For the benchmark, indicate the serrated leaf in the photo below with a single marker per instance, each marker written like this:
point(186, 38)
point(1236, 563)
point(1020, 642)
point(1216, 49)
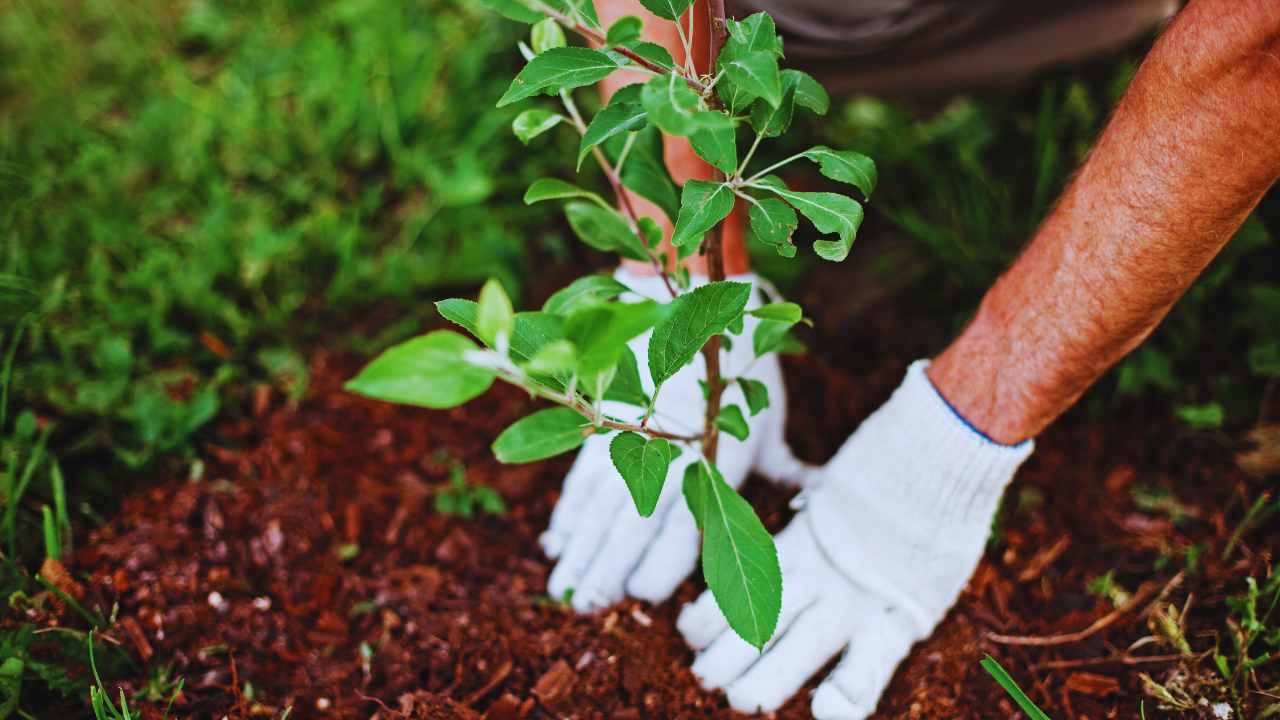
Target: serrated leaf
point(556, 356)
point(702, 205)
point(514, 10)
point(810, 93)
point(652, 233)
point(624, 30)
point(735, 326)
point(670, 104)
point(773, 222)
point(589, 290)
point(645, 172)
point(667, 9)
point(543, 434)
point(626, 387)
point(604, 230)
point(654, 53)
point(600, 332)
point(559, 69)
point(772, 121)
point(731, 421)
point(776, 337)
point(830, 213)
point(494, 314)
point(627, 94)
point(532, 123)
point(714, 140)
point(643, 463)
point(755, 33)
point(613, 119)
point(756, 394)
point(429, 371)
point(531, 332)
point(545, 35)
point(553, 189)
point(695, 317)
point(757, 73)
point(739, 559)
point(583, 10)
point(786, 312)
point(845, 166)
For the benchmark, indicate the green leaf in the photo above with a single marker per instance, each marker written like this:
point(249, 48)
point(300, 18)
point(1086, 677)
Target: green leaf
point(559, 69)
point(547, 34)
point(735, 326)
point(667, 9)
point(615, 118)
point(604, 230)
point(702, 205)
point(589, 290)
point(739, 559)
point(713, 140)
point(557, 356)
point(830, 213)
point(1012, 688)
point(514, 10)
point(583, 10)
point(643, 463)
point(624, 30)
point(646, 174)
point(532, 123)
point(695, 317)
point(776, 337)
point(652, 233)
point(553, 189)
point(809, 93)
point(494, 314)
point(541, 435)
point(773, 222)
point(626, 387)
point(532, 331)
point(784, 312)
point(755, 33)
point(670, 104)
point(757, 73)
point(756, 394)
point(429, 371)
point(772, 121)
point(601, 332)
point(736, 99)
point(731, 421)
point(845, 166)
point(654, 53)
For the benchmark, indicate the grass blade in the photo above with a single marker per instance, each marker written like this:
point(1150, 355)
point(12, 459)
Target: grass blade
point(1012, 688)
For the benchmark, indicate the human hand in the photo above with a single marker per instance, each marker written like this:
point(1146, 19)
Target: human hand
point(884, 542)
point(606, 550)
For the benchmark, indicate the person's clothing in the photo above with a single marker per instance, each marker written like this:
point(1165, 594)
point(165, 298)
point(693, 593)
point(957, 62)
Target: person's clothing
point(932, 46)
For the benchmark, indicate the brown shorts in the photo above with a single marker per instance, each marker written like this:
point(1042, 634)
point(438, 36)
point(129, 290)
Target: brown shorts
point(933, 46)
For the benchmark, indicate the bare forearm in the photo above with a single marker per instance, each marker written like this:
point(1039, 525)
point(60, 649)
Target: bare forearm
point(1190, 150)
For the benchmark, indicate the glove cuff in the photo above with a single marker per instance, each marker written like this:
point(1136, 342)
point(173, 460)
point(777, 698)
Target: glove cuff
point(920, 478)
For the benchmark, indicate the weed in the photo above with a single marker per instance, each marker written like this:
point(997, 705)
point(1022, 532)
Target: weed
point(1011, 687)
point(461, 498)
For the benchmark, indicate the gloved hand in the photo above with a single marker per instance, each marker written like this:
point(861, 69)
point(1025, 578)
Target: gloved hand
point(884, 541)
point(605, 549)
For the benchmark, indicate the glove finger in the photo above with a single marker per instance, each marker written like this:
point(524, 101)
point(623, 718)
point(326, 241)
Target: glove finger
point(812, 639)
point(701, 621)
point(592, 462)
point(729, 656)
point(588, 536)
point(881, 641)
point(673, 552)
point(627, 541)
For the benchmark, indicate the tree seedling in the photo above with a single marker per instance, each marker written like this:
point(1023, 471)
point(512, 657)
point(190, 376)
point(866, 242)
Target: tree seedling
point(460, 498)
point(574, 350)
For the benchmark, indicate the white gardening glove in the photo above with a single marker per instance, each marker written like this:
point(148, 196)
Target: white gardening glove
point(886, 539)
point(605, 549)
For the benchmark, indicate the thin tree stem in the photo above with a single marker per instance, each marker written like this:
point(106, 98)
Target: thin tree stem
point(715, 253)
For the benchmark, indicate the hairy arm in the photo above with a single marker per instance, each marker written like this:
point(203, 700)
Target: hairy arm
point(1190, 150)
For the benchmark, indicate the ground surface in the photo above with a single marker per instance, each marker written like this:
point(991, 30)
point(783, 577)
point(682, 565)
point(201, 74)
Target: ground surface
point(239, 577)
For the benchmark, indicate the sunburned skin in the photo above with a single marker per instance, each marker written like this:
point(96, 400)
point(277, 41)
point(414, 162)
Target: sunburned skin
point(1189, 152)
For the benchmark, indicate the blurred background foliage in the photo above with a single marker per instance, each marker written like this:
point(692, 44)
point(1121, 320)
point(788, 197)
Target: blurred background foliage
point(195, 195)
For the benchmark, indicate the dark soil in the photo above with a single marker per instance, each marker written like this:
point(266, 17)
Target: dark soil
point(238, 577)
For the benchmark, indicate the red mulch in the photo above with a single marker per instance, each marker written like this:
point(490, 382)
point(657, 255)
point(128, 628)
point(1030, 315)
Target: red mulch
point(452, 615)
